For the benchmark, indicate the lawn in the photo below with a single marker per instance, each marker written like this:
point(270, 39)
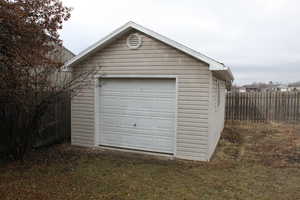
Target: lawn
point(251, 162)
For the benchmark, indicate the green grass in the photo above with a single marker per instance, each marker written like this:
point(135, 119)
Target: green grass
point(258, 162)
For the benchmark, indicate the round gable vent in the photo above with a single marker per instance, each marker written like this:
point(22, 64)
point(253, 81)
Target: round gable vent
point(134, 41)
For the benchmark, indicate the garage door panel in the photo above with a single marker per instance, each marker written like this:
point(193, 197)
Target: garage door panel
point(138, 114)
point(163, 133)
point(133, 104)
point(109, 109)
point(136, 142)
point(159, 132)
point(137, 94)
point(139, 122)
point(137, 134)
point(131, 83)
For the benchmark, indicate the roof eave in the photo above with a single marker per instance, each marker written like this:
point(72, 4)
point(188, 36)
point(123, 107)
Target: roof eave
point(224, 74)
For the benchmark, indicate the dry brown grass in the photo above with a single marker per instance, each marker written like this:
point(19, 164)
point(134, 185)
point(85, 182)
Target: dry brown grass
point(251, 162)
point(274, 145)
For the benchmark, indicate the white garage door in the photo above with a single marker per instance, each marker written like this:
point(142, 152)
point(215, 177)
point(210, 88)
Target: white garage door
point(138, 114)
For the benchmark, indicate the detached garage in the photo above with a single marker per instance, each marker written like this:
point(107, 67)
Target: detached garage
point(150, 94)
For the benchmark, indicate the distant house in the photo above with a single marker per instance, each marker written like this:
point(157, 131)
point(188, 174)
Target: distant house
point(280, 88)
point(268, 87)
point(294, 86)
point(242, 89)
point(238, 89)
point(252, 89)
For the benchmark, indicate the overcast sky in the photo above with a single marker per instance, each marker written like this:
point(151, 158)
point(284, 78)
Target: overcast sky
point(258, 39)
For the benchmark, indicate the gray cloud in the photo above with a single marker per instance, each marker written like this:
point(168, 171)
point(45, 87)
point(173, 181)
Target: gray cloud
point(265, 73)
point(258, 39)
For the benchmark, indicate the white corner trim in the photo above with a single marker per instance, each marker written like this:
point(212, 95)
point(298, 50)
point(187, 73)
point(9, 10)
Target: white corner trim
point(96, 112)
point(213, 64)
point(176, 117)
point(210, 115)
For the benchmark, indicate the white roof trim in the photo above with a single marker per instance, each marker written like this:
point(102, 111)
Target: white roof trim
point(213, 64)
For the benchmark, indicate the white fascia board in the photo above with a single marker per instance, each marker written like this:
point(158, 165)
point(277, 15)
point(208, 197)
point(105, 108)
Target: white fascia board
point(213, 64)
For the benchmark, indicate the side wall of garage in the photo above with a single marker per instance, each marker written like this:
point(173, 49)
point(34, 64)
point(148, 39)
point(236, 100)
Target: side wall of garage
point(152, 58)
point(217, 112)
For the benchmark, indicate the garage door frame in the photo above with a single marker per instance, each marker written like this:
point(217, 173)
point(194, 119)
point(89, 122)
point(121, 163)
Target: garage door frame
point(96, 103)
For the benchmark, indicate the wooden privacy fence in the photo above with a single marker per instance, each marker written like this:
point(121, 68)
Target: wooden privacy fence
point(263, 106)
point(58, 117)
point(60, 130)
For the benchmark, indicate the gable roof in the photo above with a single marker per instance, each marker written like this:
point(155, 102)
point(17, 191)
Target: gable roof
point(220, 69)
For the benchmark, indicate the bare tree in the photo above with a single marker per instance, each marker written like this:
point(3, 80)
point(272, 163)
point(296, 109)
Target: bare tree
point(31, 74)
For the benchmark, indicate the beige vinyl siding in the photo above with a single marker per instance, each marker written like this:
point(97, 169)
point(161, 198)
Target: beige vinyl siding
point(217, 113)
point(152, 58)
